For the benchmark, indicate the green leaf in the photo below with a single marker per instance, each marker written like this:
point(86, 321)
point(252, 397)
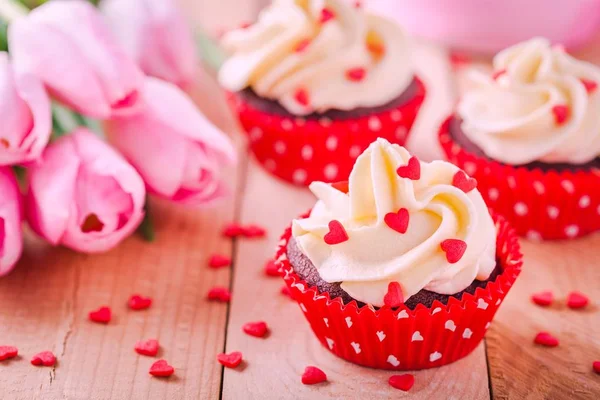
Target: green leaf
point(3, 35)
point(146, 229)
point(209, 50)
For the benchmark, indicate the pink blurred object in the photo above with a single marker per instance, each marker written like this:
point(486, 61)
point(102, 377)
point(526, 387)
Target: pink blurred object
point(67, 44)
point(177, 150)
point(83, 194)
point(156, 35)
point(25, 115)
point(11, 235)
point(489, 26)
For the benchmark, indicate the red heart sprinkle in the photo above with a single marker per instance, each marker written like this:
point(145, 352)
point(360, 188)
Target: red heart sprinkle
point(543, 298)
point(253, 231)
point(301, 97)
point(561, 114)
point(403, 382)
point(590, 86)
point(356, 74)
point(577, 300)
point(286, 291)
point(454, 249)
point(230, 360)
point(302, 45)
point(411, 171)
point(326, 15)
point(464, 182)
point(219, 261)
point(546, 339)
point(138, 302)
point(337, 234)
point(272, 268)
point(459, 59)
point(313, 375)
point(161, 368)
point(7, 352)
point(596, 366)
point(101, 315)
point(342, 186)
point(393, 297)
point(45, 358)
point(397, 221)
point(232, 230)
point(498, 74)
point(147, 347)
point(219, 294)
point(357, 4)
point(245, 25)
point(256, 329)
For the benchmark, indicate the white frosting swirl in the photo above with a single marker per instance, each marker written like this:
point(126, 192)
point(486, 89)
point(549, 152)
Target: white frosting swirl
point(512, 118)
point(265, 57)
point(375, 255)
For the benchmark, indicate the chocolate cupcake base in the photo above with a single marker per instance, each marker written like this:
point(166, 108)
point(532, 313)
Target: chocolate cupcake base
point(308, 272)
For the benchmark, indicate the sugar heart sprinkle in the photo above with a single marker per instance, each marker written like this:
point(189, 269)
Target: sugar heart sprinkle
point(596, 367)
point(464, 182)
point(337, 234)
point(313, 375)
point(326, 15)
point(147, 347)
point(459, 59)
point(403, 382)
point(590, 86)
point(161, 369)
point(412, 170)
point(576, 300)
point(397, 221)
point(561, 114)
point(498, 74)
point(356, 74)
point(253, 231)
point(101, 315)
point(220, 294)
point(301, 97)
point(546, 339)
point(286, 291)
point(7, 352)
point(45, 358)
point(230, 360)
point(454, 249)
point(232, 230)
point(219, 261)
point(271, 268)
point(256, 329)
point(543, 299)
point(394, 297)
point(138, 302)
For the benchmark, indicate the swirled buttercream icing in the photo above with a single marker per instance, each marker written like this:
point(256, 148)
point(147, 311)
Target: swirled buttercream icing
point(402, 226)
point(317, 55)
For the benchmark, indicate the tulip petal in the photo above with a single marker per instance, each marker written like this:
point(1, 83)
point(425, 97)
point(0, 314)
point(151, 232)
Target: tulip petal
point(11, 235)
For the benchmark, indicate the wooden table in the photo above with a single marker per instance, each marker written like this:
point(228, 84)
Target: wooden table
point(44, 303)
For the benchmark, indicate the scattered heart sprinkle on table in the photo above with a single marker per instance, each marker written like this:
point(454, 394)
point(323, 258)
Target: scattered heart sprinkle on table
point(219, 261)
point(403, 382)
point(576, 300)
point(286, 291)
point(271, 268)
point(233, 230)
point(101, 315)
point(138, 302)
point(546, 339)
point(256, 329)
point(230, 360)
point(596, 367)
point(161, 368)
point(147, 347)
point(543, 299)
point(45, 358)
point(7, 352)
point(254, 231)
point(313, 375)
point(219, 294)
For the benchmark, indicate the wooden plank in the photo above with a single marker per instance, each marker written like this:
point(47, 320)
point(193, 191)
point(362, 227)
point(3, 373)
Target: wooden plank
point(45, 301)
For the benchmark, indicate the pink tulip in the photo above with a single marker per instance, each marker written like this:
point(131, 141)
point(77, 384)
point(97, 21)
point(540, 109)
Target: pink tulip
point(11, 235)
point(67, 44)
point(24, 114)
point(83, 194)
point(178, 152)
point(156, 35)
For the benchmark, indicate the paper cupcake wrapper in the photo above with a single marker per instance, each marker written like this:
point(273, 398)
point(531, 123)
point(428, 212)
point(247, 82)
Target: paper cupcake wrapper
point(301, 150)
point(404, 339)
point(538, 204)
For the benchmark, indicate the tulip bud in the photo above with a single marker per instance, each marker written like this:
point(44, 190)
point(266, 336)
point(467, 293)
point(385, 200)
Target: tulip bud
point(67, 44)
point(83, 194)
point(177, 150)
point(24, 114)
point(11, 235)
point(156, 35)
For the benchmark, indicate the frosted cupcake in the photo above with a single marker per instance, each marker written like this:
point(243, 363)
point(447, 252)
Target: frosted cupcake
point(315, 82)
point(530, 135)
point(403, 267)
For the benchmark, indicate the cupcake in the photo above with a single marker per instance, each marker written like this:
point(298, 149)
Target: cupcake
point(403, 267)
point(314, 82)
point(530, 135)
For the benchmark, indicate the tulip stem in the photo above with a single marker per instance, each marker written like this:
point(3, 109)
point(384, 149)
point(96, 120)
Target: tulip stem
point(209, 50)
point(146, 228)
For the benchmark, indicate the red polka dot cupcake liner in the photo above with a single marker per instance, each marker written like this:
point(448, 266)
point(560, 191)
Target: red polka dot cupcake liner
point(303, 150)
point(404, 339)
point(538, 204)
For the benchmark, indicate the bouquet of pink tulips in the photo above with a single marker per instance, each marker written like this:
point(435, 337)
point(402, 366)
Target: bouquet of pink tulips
point(126, 65)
